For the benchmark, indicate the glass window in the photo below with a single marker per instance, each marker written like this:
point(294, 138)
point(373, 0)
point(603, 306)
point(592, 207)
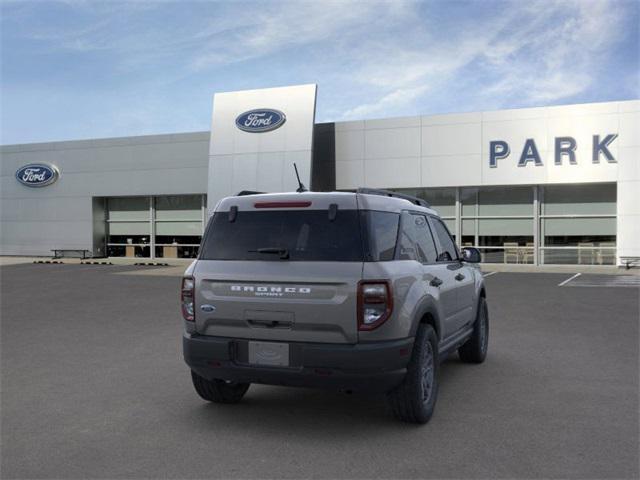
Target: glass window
point(178, 225)
point(129, 229)
point(178, 229)
point(416, 242)
point(447, 250)
point(584, 228)
point(468, 233)
point(443, 200)
point(506, 227)
point(505, 232)
point(306, 235)
point(451, 225)
point(594, 240)
point(382, 233)
point(590, 199)
point(512, 237)
point(469, 201)
point(179, 207)
point(128, 208)
point(603, 254)
point(579, 238)
point(505, 201)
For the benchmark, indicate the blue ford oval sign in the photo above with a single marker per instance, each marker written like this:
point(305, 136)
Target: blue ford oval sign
point(260, 120)
point(37, 175)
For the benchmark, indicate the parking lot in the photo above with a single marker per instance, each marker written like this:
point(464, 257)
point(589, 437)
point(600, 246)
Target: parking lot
point(94, 386)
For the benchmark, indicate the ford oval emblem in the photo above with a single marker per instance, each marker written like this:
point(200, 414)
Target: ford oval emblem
point(37, 175)
point(260, 120)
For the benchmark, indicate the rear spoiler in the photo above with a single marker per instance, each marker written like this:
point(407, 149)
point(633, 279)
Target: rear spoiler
point(244, 193)
point(388, 193)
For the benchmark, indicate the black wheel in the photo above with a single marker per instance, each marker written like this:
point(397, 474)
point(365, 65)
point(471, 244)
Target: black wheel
point(415, 398)
point(219, 391)
point(475, 349)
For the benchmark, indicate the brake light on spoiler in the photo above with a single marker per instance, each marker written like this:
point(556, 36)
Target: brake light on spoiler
point(282, 204)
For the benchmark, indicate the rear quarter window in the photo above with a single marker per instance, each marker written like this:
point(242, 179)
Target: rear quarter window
point(381, 234)
point(416, 240)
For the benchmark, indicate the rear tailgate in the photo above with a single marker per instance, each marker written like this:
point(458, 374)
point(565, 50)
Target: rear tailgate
point(278, 301)
point(281, 267)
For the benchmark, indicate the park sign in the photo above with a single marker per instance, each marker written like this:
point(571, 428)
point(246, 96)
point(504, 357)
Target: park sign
point(565, 147)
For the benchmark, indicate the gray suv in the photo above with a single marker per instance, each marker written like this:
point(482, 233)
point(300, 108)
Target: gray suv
point(361, 291)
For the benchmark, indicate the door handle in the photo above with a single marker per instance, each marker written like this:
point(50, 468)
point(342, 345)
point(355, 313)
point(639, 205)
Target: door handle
point(459, 277)
point(436, 282)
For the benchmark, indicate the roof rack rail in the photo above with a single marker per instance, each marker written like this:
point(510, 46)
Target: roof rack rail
point(387, 193)
point(248, 192)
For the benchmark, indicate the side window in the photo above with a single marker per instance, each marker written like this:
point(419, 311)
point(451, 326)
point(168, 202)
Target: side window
point(416, 241)
point(447, 251)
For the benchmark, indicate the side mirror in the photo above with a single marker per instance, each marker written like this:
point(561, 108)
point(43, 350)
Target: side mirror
point(471, 255)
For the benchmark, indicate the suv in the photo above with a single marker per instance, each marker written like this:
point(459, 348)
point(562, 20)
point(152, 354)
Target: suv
point(361, 291)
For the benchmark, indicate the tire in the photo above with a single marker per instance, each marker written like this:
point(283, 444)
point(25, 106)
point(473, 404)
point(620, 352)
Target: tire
point(415, 398)
point(219, 391)
point(475, 349)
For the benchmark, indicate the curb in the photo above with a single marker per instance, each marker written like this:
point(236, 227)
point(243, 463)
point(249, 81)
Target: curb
point(95, 263)
point(151, 264)
point(48, 261)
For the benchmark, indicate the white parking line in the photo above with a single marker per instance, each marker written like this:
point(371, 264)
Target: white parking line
point(607, 281)
point(489, 274)
point(569, 279)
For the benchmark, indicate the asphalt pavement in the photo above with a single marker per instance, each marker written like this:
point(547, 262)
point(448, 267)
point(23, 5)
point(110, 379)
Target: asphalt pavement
point(94, 386)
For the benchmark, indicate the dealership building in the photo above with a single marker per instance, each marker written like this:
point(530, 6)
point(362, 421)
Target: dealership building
point(548, 185)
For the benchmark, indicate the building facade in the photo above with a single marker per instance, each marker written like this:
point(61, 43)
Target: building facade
point(549, 185)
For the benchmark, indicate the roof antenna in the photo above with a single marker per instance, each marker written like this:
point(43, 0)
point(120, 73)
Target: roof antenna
point(301, 188)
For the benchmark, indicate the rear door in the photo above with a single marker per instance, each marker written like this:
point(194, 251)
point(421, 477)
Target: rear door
point(280, 274)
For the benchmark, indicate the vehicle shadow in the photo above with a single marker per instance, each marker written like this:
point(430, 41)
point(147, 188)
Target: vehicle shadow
point(328, 414)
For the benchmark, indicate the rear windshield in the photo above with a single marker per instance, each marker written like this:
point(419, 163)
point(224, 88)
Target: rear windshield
point(304, 235)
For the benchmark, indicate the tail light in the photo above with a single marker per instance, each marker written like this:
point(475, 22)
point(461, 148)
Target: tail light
point(186, 299)
point(375, 303)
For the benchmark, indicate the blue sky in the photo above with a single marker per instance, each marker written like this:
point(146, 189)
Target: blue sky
point(84, 69)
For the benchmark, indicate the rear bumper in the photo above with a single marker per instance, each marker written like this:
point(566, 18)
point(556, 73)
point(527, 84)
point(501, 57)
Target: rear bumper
point(378, 366)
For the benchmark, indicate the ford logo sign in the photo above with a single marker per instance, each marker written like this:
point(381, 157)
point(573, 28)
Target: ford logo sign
point(37, 175)
point(260, 120)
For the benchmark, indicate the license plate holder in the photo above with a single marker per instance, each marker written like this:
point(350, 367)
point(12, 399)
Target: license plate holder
point(269, 353)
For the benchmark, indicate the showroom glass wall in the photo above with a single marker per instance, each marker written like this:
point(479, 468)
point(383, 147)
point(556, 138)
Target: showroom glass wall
point(554, 224)
point(169, 226)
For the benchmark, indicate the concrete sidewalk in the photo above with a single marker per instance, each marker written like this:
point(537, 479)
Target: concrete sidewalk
point(174, 262)
point(595, 269)
point(486, 267)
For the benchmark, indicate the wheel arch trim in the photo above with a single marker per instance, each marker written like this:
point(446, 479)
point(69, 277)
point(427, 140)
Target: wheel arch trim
point(427, 312)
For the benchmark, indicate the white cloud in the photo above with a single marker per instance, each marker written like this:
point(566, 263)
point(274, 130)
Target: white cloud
point(537, 52)
point(371, 58)
point(279, 26)
point(391, 101)
point(558, 61)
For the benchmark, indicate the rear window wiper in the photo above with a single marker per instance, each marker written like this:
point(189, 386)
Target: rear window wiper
point(283, 252)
